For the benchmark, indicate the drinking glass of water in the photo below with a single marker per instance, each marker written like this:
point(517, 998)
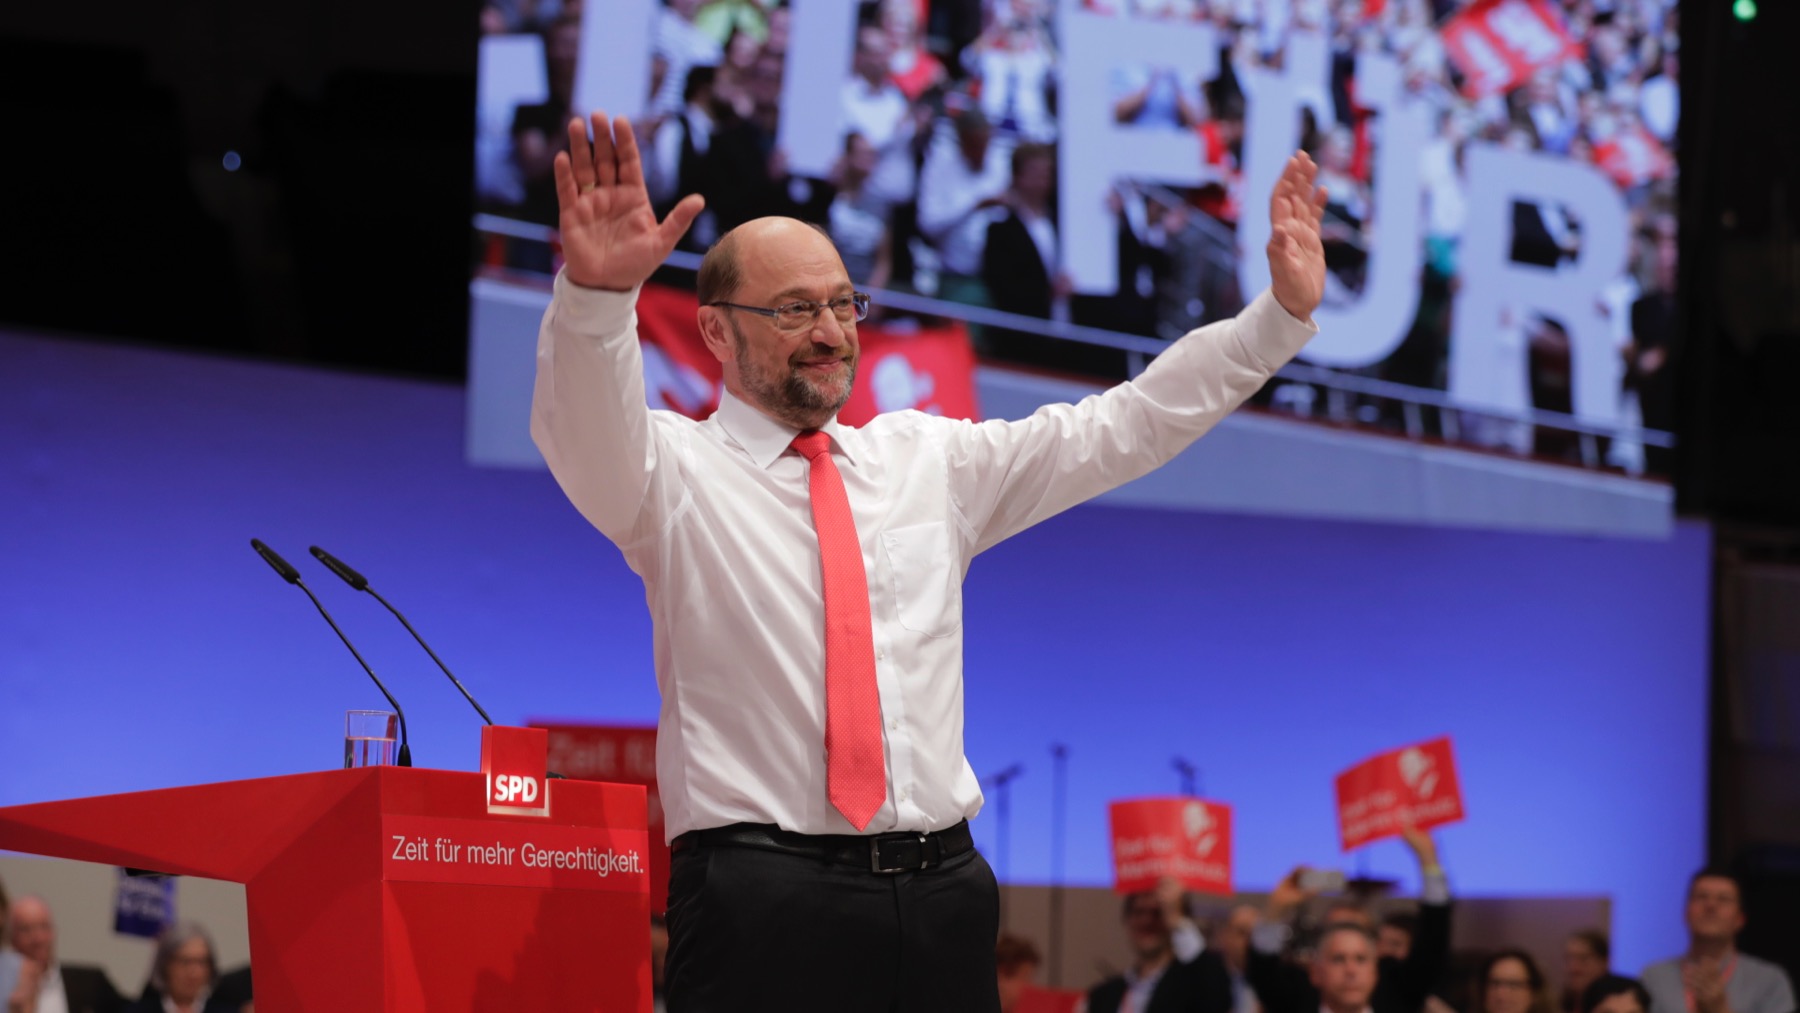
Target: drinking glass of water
point(369, 738)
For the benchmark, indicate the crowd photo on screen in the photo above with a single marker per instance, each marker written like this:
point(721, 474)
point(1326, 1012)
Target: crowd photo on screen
point(952, 124)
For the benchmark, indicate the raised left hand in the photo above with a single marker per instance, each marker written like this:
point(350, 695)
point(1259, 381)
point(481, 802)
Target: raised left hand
point(1423, 847)
point(1296, 253)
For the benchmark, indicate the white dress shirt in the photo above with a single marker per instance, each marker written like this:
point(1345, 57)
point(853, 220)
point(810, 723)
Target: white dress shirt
point(716, 518)
point(51, 997)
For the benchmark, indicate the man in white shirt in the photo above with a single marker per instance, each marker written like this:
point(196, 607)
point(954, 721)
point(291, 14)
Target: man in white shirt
point(876, 108)
point(804, 578)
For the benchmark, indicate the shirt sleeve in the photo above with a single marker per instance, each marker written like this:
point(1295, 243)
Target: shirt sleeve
point(1778, 997)
point(1008, 475)
point(589, 416)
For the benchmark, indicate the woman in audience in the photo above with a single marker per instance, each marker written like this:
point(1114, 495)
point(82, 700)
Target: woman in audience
point(182, 974)
point(1510, 982)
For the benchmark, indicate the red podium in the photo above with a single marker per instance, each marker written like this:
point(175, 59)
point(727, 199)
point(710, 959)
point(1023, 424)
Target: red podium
point(400, 889)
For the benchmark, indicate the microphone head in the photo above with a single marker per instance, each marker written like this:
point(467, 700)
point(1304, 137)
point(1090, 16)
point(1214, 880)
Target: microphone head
point(273, 558)
point(342, 569)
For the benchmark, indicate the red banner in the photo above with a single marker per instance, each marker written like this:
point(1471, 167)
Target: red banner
point(1499, 44)
point(1188, 838)
point(622, 755)
point(928, 369)
point(1415, 786)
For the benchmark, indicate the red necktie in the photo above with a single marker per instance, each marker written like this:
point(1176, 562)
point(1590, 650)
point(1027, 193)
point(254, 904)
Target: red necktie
point(856, 775)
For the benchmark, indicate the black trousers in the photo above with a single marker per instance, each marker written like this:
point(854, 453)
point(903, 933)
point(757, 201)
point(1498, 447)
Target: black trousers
point(751, 930)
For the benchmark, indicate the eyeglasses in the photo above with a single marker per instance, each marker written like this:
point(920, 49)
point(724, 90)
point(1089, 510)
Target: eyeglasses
point(800, 314)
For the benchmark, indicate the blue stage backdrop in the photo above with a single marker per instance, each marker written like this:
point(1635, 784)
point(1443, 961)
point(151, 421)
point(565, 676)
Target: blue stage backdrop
point(145, 645)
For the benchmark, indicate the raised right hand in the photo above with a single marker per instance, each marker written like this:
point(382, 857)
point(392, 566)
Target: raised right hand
point(611, 238)
point(1288, 895)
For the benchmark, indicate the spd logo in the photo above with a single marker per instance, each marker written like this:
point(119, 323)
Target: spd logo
point(513, 760)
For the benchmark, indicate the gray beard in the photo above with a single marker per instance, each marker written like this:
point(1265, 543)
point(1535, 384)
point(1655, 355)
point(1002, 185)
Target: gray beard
point(790, 399)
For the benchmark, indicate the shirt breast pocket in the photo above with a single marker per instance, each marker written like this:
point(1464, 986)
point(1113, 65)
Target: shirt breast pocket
point(926, 577)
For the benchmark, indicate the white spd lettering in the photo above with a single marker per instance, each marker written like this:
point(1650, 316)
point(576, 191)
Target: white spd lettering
point(514, 787)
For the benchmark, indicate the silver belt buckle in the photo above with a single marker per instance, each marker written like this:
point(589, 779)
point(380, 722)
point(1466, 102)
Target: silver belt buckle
point(876, 867)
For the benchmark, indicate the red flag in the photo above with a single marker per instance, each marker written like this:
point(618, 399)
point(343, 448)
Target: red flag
point(1499, 44)
point(1188, 838)
point(1414, 786)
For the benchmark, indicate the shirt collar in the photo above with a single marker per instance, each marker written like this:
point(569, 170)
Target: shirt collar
point(765, 439)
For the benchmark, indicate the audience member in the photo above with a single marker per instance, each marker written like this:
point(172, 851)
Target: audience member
point(1015, 61)
point(1171, 970)
point(1231, 939)
point(1511, 982)
point(683, 44)
point(857, 220)
point(1395, 985)
point(183, 974)
point(1394, 936)
point(1713, 976)
point(1021, 266)
point(677, 163)
point(1016, 963)
point(875, 107)
point(46, 985)
point(1342, 976)
point(964, 181)
point(731, 78)
point(1612, 993)
point(912, 67)
point(1587, 958)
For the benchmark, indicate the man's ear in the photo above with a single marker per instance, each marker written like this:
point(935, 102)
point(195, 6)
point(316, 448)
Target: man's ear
point(716, 332)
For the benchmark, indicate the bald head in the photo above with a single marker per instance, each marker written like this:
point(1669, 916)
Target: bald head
point(34, 930)
point(722, 269)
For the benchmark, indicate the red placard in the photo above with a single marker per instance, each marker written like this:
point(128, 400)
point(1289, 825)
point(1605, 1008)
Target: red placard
point(1414, 786)
point(1499, 44)
point(1048, 1000)
point(621, 754)
point(1188, 838)
point(1633, 156)
point(929, 369)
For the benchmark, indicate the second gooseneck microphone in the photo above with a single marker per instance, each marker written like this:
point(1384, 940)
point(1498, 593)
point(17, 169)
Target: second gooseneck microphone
point(292, 576)
point(361, 583)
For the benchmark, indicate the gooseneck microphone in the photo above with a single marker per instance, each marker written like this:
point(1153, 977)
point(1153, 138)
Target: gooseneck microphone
point(292, 576)
point(361, 583)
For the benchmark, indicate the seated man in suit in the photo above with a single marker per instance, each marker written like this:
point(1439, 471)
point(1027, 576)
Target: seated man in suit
point(1172, 971)
point(46, 986)
point(1393, 984)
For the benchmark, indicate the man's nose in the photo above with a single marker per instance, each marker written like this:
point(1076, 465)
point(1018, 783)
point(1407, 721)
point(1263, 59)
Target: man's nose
point(828, 330)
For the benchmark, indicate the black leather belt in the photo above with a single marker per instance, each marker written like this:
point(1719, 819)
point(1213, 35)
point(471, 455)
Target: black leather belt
point(884, 854)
